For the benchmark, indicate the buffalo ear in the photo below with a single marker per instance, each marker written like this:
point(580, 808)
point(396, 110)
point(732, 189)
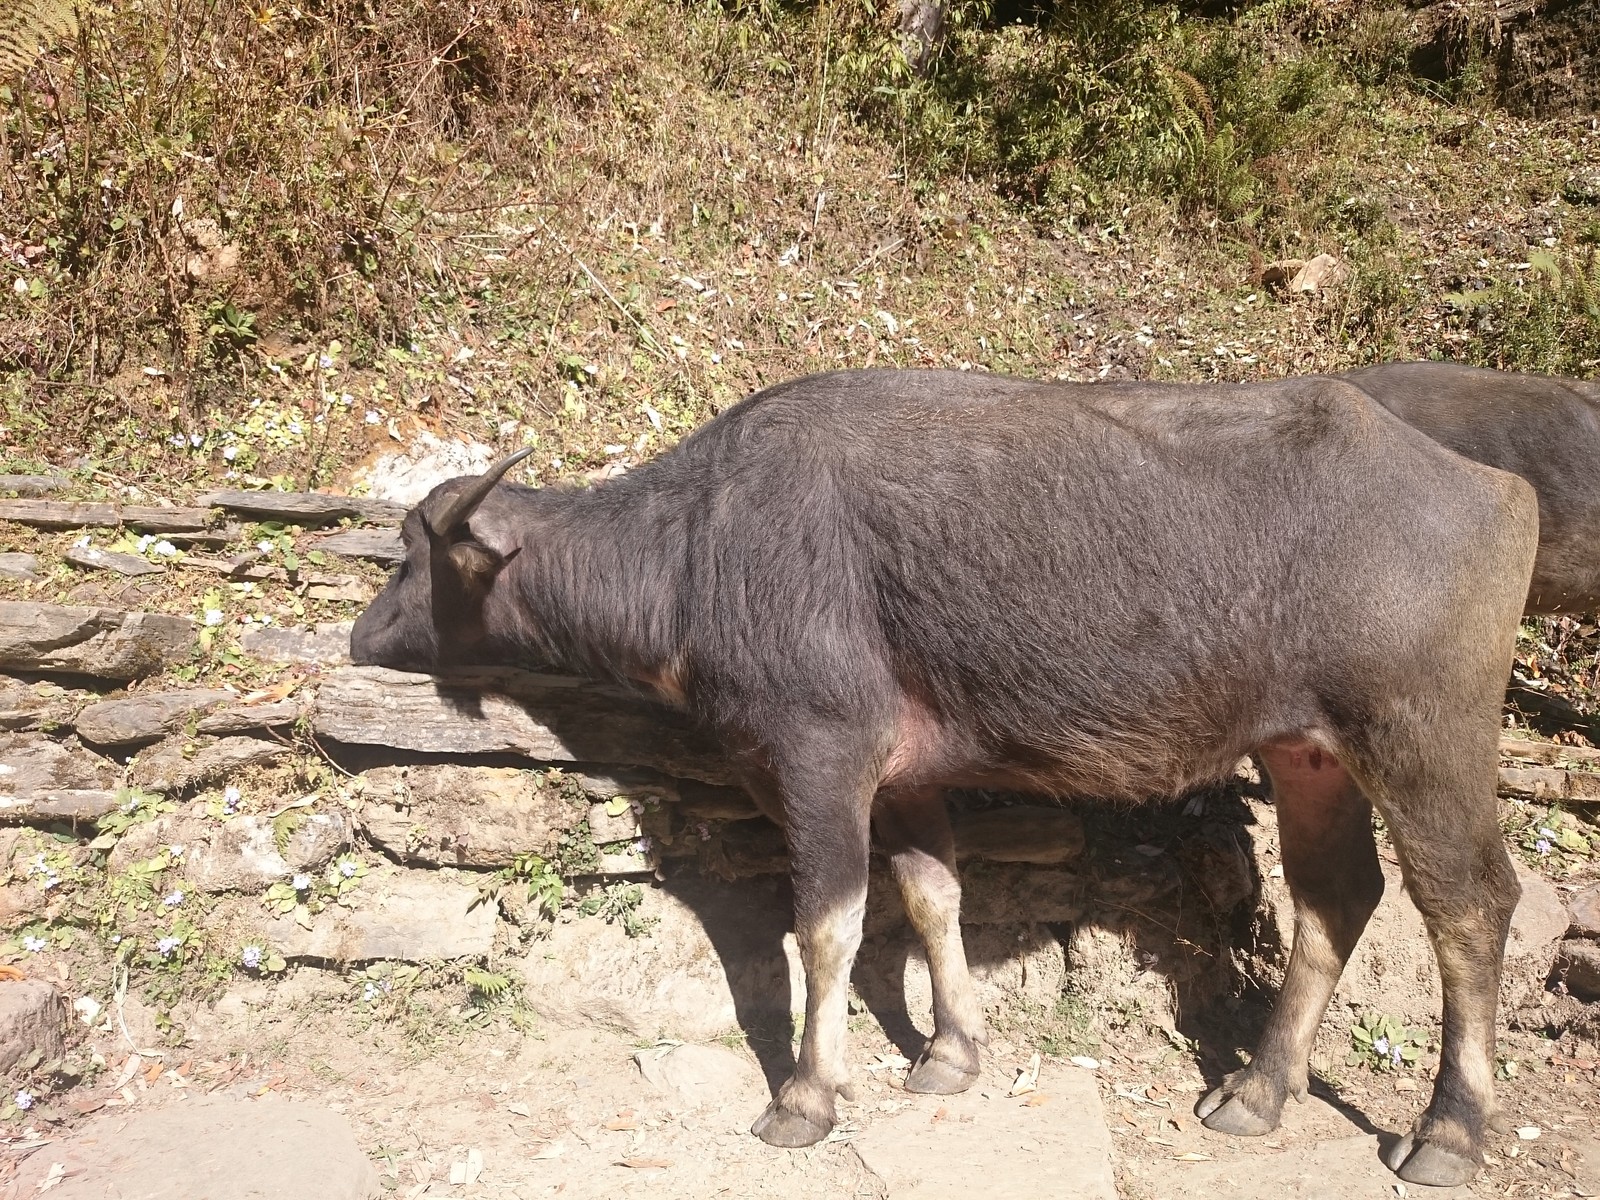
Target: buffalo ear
point(476, 565)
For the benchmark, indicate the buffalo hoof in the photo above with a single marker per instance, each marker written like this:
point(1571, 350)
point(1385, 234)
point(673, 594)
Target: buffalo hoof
point(789, 1130)
point(1226, 1112)
point(1429, 1165)
point(935, 1077)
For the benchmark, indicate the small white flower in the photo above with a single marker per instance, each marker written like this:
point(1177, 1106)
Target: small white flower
point(372, 416)
point(175, 851)
point(33, 944)
point(195, 439)
point(294, 427)
point(144, 542)
point(166, 549)
point(347, 399)
point(265, 618)
point(300, 882)
point(229, 453)
point(82, 542)
point(214, 616)
point(264, 546)
point(179, 441)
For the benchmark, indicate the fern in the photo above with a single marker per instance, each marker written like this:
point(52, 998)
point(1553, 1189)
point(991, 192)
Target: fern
point(30, 26)
point(485, 986)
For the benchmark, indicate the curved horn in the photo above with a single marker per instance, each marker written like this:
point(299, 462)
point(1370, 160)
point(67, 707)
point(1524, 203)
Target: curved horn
point(464, 504)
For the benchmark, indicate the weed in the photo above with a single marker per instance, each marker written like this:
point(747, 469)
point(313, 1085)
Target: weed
point(1383, 1043)
point(618, 904)
point(1545, 318)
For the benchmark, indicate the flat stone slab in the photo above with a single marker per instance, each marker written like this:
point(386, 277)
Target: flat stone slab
point(145, 717)
point(1023, 833)
point(43, 778)
point(958, 1147)
point(211, 1146)
point(1551, 783)
point(33, 485)
point(90, 641)
point(328, 644)
point(413, 917)
point(241, 718)
point(1345, 1168)
point(22, 568)
point(167, 768)
point(381, 546)
point(33, 1022)
point(72, 514)
point(549, 718)
point(305, 508)
point(95, 559)
point(33, 706)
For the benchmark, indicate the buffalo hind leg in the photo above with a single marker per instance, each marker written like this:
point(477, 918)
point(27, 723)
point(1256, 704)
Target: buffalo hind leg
point(1442, 817)
point(913, 828)
point(825, 816)
point(1330, 863)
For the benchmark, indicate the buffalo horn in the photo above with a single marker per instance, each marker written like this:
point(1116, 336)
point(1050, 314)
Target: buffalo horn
point(465, 503)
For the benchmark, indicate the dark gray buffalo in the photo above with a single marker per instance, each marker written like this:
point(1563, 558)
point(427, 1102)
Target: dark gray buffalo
point(1544, 428)
point(873, 585)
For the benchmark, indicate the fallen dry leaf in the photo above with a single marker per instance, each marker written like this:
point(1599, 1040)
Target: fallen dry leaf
point(645, 1164)
point(1035, 1100)
point(623, 1120)
point(53, 1176)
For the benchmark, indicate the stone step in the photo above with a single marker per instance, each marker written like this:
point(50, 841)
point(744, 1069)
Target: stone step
point(74, 514)
point(210, 1146)
point(1050, 1142)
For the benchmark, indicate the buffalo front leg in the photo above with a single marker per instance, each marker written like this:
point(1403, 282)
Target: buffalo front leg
point(913, 827)
point(1330, 863)
point(827, 831)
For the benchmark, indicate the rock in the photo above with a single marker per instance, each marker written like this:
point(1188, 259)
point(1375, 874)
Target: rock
point(243, 718)
point(328, 644)
point(23, 568)
point(548, 718)
point(42, 705)
point(464, 816)
point(213, 1146)
point(714, 959)
point(1021, 833)
point(381, 546)
point(708, 802)
point(426, 463)
point(1586, 1170)
point(95, 559)
point(721, 955)
point(702, 1076)
point(413, 917)
point(144, 717)
point(71, 514)
point(91, 641)
point(305, 508)
point(41, 778)
point(1550, 783)
point(1019, 894)
point(33, 1023)
point(1580, 964)
point(242, 855)
point(1583, 186)
point(33, 485)
point(1339, 1168)
point(1584, 911)
point(985, 1143)
point(167, 768)
point(1549, 753)
point(607, 827)
point(1323, 271)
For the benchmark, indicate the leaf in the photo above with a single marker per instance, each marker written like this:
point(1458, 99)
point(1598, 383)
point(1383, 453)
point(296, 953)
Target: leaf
point(616, 806)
